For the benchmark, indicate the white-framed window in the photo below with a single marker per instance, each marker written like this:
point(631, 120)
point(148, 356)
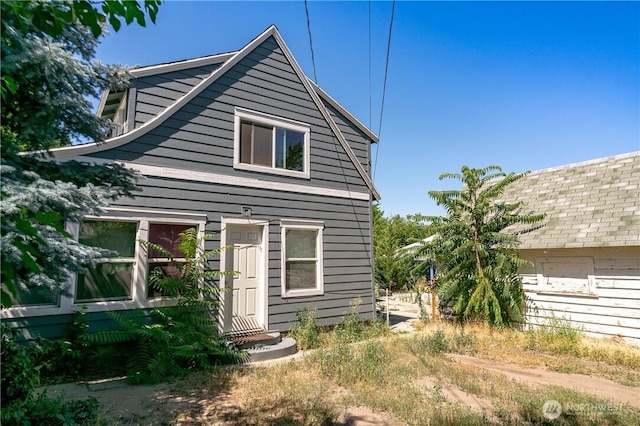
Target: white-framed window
point(121, 281)
point(302, 258)
point(112, 278)
point(164, 235)
point(572, 275)
point(265, 143)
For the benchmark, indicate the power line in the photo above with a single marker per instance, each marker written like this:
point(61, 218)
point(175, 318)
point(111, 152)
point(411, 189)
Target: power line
point(370, 102)
point(313, 58)
point(384, 87)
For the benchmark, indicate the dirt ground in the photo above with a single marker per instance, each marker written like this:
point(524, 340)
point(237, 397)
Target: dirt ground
point(173, 404)
point(160, 404)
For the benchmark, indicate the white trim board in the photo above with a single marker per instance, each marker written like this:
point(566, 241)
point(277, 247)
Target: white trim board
point(272, 31)
point(208, 177)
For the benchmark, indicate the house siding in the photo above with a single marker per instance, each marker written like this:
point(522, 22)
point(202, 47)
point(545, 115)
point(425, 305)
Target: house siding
point(346, 251)
point(612, 308)
point(200, 136)
point(347, 239)
point(358, 141)
point(156, 92)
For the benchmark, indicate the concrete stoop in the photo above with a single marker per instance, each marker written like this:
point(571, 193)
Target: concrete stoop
point(265, 346)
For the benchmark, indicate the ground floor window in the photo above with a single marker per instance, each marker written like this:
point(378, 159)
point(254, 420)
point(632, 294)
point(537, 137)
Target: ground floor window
point(120, 279)
point(302, 265)
point(112, 278)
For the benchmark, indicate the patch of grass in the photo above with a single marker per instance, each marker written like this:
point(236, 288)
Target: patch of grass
point(557, 335)
point(559, 349)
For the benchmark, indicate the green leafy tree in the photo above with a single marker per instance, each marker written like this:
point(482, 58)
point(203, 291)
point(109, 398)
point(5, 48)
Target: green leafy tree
point(175, 339)
point(476, 248)
point(392, 269)
point(48, 73)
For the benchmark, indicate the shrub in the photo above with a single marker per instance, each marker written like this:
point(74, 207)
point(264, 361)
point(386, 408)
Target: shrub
point(306, 332)
point(43, 410)
point(67, 357)
point(173, 340)
point(557, 335)
point(352, 328)
point(435, 343)
point(19, 374)
point(348, 364)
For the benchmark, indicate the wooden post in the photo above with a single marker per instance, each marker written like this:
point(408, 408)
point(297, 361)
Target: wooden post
point(433, 305)
point(433, 293)
point(387, 307)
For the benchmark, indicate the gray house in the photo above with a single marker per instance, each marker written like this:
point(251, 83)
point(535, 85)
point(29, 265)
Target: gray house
point(243, 146)
point(586, 259)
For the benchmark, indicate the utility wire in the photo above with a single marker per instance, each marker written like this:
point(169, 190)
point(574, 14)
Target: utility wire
point(370, 102)
point(384, 87)
point(313, 58)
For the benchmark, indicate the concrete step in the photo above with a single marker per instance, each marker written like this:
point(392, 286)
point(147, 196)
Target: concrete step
point(285, 347)
point(257, 340)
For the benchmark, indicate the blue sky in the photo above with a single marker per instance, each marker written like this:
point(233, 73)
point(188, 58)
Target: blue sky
point(525, 85)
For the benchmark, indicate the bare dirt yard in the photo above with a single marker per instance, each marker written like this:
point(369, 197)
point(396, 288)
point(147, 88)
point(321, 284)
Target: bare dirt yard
point(434, 375)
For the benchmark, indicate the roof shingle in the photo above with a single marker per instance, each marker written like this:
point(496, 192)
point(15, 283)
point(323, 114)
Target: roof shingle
point(590, 204)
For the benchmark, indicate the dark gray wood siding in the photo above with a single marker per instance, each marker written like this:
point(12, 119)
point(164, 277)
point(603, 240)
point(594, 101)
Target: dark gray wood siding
point(200, 136)
point(347, 238)
point(156, 92)
point(358, 141)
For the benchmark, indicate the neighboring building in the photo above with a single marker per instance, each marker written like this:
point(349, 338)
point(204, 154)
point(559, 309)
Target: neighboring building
point(244, 146)
point(586, 258)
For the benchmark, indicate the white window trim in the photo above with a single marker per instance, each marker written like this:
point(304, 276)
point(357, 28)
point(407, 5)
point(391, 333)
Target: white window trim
point(66, 302)
point(271, 120)
point(543, 288)
point(318, 226)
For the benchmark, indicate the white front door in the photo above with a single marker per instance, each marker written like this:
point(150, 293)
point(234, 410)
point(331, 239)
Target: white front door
point(245, 258)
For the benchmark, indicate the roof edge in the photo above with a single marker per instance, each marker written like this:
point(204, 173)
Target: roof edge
point(92, 147)
point(324, 95)
point(587, 162)
point(271, 31)
point(181, 65)
point(325, 113)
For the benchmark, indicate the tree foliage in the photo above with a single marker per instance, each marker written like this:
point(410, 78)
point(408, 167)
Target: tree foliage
point(476, 247)
point(175, 339)
point(48, 72)
point(392, 270)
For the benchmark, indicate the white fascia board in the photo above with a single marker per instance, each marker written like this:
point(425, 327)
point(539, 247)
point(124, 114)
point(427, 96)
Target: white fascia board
point(89, 148)
point(324, 95)
point(181, 65)
point(323, 110)
point(272, 31)
point(240, 181)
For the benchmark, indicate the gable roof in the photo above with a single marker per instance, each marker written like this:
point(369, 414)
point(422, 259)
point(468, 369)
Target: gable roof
point(229, 60)
point(589, 204)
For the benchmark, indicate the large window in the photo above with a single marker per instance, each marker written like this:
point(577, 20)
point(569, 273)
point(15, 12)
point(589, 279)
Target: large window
point(271, 144)
point(112, 278)
point(119, 280)
point(302, 268)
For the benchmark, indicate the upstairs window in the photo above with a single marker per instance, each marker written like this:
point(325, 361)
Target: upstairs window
point(270, 144)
